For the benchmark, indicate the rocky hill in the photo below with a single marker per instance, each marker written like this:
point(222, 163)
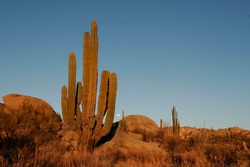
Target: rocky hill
point(32, 135)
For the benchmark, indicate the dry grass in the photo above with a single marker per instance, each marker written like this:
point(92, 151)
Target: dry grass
point(176, 152)
point(34, 146)
point(206, 150)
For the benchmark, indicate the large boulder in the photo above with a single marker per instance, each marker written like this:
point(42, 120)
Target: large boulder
point(18, 103)
point(140, 123)
point(128, 146)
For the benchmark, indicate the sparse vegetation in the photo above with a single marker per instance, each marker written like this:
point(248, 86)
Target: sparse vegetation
point(22, 132)
point(29, 139)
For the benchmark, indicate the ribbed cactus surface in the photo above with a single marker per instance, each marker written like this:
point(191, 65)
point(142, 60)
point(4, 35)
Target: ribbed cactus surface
point(85, 94)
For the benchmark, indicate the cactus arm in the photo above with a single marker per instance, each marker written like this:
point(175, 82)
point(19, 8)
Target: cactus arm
point(111, 105)
point(93, 71)
point(102, 100)
point(71, 86)
point(64, 104)
point(85, 90)
point(85, 77)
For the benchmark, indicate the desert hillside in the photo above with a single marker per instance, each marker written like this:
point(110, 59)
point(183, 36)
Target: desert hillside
point(34, 135)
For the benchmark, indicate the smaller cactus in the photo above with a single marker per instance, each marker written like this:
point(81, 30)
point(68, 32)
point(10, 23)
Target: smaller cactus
point(161, 123)
point(123, 123)
point(176, 122)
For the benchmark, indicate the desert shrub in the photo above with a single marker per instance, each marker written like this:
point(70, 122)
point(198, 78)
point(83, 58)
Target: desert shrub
point(147, 136)
point(222, 155)
point(177, 160)
point(22, 131)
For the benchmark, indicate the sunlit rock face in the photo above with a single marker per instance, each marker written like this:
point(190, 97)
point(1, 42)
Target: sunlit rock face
point(19, 103)
point(16, 101)
point(141, 123)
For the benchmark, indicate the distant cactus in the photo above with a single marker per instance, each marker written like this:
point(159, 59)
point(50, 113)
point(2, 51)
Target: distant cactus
point(85, 94)
point(122, 123)
point(161, 123)
point(176, 123)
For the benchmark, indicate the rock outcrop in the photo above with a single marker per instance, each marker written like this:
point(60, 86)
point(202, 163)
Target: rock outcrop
point(15, 101)
point(18, 103)
point(135, 123)
point(186, 132)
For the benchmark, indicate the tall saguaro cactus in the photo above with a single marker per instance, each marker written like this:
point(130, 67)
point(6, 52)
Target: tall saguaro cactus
point(176, 123)
point(86, 94)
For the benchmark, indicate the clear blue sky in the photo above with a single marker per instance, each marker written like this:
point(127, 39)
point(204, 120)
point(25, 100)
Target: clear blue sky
point(194, 54)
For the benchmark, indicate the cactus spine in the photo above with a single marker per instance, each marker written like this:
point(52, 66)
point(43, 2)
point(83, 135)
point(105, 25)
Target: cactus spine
point(176, 123)
point(86, 94)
